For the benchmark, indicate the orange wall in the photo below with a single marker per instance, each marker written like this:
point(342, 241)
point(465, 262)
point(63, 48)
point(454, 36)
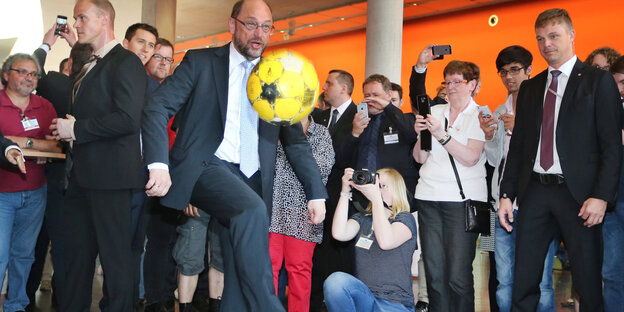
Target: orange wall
point(472, 39)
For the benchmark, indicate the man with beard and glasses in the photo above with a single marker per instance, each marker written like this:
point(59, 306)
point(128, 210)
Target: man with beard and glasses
point(24, 119)
point(223, 158)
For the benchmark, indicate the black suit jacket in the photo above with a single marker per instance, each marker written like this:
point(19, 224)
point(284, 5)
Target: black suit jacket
point(339, 133)
point(417, 87)
point(106, 153)
point(4, 143)
point(588, 135)
point(197, 94)
point(54, 86)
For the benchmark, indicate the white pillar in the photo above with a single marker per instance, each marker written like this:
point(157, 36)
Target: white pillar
point(384, 38)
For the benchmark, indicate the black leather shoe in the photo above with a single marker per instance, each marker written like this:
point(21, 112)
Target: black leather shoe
point(422, 306)
point(214, 305)
point(201, 303)
point(187, 307)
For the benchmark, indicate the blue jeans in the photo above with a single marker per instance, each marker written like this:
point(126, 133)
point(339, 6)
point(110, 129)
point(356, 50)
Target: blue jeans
point(343, 293)
point(505, 252)
point(21, 215)
point(613, 262)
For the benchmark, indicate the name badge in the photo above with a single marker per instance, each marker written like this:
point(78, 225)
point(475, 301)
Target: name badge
point(30, 124)
point(364, 242)
point(391, 138)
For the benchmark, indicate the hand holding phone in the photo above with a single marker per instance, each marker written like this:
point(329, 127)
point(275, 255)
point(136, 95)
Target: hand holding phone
point(61, 25)
point(363, 107)
point(441, 50)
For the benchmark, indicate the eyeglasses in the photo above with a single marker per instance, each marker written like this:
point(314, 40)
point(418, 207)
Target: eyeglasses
point(606, 67)
point(24, 73)
point(251, 26)
point(159, 58)
point(514, 70)
point(453, 83)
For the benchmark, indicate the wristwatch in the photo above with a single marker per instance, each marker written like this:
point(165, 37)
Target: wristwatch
point(29, 143)
point(445, 139)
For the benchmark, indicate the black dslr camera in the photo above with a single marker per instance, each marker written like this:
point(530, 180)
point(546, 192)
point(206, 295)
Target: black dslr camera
point(364, 176)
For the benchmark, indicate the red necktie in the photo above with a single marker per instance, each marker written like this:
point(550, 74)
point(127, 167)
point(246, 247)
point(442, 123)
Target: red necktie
point(548, 123)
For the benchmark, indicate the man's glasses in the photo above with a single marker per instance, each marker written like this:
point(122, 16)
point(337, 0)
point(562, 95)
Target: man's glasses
point(24, 73)
point(251, 26)
point(606, 67)
point(159, 58)
point(453, 83)
point(514, 70)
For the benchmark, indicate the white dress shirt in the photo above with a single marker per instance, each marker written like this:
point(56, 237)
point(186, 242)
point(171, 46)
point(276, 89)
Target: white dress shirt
point(562, 82)
point(341, 109)
point(229, 150)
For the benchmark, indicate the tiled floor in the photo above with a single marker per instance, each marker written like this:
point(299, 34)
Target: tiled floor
point(562, 284)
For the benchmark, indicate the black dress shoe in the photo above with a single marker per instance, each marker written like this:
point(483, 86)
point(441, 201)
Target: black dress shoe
point(155, 307)
point(201, 303)
point(422, 306)
point(214, 305)
point(187, 307)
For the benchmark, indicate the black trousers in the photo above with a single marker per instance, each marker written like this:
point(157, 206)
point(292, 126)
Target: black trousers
point(545, 211)
point(224, 192)
point(97, 221)
point(159, 268)
point(448, 251)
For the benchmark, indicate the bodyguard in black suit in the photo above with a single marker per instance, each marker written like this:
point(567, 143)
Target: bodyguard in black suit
point(106, 156)
point(207, 165)
point(332, 255)
point(563, 165)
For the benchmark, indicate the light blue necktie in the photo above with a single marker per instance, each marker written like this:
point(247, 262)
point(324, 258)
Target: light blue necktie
point(249, 162)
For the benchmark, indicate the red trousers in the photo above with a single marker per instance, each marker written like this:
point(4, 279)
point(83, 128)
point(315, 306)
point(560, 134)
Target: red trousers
point(297, 255)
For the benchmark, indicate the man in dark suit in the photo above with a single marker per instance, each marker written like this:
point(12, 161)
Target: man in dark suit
point(57, 88)
point(104, 130)
point(331, 255)
point(386, 138)
point(223, 158)
point(563, 165)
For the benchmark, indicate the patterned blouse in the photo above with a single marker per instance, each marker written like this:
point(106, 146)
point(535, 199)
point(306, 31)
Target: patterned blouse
point(290, 208)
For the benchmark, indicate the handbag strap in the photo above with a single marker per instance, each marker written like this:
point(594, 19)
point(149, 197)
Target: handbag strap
point(461, 189)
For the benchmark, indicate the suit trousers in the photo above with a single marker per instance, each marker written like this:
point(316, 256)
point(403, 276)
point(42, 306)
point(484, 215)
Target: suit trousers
point(159, 266)
point(545, 211)
point(225, 193)
point(97, 221)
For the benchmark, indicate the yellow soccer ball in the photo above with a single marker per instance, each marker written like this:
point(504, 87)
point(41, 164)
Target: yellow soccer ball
point(283, 87)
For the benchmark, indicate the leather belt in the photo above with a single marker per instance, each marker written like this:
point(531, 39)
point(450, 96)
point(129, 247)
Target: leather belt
point(548, 179)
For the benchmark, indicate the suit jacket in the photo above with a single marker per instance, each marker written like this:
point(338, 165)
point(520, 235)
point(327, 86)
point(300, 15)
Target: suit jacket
point(54, 86)
point(417, 87)
point(197, 94)
point(106, 152)
point(340, 132)
point(4, 143)
point(588, 135)
point(398, 155)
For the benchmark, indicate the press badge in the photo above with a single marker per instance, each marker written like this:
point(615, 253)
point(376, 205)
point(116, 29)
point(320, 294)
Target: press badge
point(364, 242)
point(391, 137)
point(30, 124)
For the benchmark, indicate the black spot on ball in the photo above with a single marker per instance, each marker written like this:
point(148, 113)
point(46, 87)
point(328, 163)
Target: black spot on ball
point(270, 92)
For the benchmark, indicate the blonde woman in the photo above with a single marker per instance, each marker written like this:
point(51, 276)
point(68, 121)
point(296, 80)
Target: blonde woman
point(385, 238)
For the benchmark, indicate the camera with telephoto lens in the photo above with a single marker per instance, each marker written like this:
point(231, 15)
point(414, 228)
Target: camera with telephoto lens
point(364, 176)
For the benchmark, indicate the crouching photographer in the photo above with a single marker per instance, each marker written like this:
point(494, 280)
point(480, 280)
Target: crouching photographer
point(386, 239)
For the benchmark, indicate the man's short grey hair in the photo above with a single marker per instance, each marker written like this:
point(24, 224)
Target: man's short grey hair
point(8, 64)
